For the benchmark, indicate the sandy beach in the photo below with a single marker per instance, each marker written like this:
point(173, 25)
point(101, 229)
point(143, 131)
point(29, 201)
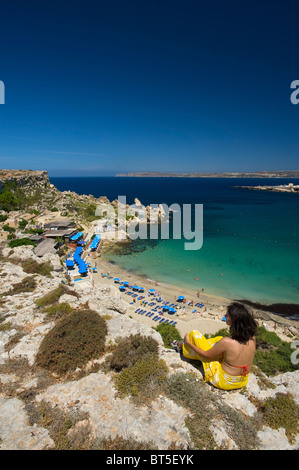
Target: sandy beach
point(207, 319)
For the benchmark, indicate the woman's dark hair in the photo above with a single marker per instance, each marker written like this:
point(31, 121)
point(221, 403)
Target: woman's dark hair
point(243, 326)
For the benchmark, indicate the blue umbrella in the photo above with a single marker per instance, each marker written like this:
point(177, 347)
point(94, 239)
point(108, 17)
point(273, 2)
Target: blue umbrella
point(116, 279)
point(181, 297)
point(151, 291)
point(135, 287)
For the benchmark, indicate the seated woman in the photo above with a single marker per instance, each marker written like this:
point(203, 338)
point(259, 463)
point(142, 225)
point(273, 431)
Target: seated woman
point(226, 360)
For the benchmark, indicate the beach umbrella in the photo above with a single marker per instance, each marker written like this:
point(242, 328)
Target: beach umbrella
point(165, 308)
point(181, 297)
point(69, 263)
point(171, 310)
point(122, 288)
point(135, 287)
point(116, 279)
point(141, 289)
point(126, 283)
point(151, 291)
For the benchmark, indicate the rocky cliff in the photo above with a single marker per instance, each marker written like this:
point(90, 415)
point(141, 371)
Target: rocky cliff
point(25, 178)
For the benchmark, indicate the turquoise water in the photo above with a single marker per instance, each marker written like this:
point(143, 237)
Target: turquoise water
point(250, 240)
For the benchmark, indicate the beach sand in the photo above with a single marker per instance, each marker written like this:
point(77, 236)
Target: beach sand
point(207, 319)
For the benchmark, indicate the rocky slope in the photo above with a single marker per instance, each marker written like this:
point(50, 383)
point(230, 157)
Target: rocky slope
point(32, 399)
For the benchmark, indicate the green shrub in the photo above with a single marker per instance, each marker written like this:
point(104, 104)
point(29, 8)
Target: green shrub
point(23, 223)
point(7, 228)
point(50, 298)
point(272, 355)
point(144, 380)
point(168, 333)
point(222, 332)
point(21, 242)
point(31, 266)
point(265, 338)
point(72, 342)
point(34, 231)
point(8, 201)
point(58, 311)
point(282, 412)
point(131, 349)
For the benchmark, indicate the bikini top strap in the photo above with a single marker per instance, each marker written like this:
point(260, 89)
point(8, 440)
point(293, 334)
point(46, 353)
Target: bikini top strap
point(245, 370)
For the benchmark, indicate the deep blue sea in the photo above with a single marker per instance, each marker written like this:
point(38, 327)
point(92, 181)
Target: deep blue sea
point(250, 238)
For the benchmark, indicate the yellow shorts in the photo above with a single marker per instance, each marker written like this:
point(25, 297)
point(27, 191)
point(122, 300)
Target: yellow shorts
point(214, 373)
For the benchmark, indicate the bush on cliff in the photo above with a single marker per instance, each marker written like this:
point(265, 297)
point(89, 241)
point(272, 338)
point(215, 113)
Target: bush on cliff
point(168, 333)
point(28, 284)
point(73, 342)
point(143, 381)
point(50, 298)
point(273, 355)
point(131, 349)
point(21, 242)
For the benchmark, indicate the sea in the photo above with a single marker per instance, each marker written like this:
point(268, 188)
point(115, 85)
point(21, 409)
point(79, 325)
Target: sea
point(250, 248)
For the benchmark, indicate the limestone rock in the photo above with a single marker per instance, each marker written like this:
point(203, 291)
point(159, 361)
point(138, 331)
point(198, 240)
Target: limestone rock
point(15, 432)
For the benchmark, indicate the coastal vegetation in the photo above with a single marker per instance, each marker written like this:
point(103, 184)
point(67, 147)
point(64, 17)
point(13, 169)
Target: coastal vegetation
point(21, 242)
point(75, 339)
point(168, 333)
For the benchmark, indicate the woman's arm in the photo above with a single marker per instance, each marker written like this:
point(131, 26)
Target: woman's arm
point(214, 351)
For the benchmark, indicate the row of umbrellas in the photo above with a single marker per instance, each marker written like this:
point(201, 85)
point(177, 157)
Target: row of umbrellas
point(95, 242)
point(125, 284)
point(78, 260)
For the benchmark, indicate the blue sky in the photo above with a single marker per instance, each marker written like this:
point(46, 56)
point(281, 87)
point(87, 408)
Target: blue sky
point(99, 87)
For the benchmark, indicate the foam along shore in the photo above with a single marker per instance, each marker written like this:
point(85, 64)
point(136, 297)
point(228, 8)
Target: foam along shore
point(207, 316)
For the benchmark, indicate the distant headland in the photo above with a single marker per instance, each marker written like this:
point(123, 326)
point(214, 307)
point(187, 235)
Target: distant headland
point(258, 174)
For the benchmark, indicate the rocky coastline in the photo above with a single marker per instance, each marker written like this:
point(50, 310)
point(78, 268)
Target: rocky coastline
point(282, 188)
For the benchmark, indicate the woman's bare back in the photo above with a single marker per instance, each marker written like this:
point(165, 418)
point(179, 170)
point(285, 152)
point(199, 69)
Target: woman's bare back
point(238, 357)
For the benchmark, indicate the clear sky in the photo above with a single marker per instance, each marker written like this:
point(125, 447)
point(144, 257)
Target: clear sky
point(98, 87)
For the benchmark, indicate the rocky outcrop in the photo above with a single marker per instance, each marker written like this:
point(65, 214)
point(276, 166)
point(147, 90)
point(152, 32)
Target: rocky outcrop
point(25, 178)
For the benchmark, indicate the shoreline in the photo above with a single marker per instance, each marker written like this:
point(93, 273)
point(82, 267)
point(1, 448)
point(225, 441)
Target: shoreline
point(281, 309)
point(208, 318)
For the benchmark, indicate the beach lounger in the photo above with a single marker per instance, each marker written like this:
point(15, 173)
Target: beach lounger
point(162, 320)
point(174, 323)
point(143, 312)
point(136, 311)
point(151, 315)
point(171, 322)
point(167, 320)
